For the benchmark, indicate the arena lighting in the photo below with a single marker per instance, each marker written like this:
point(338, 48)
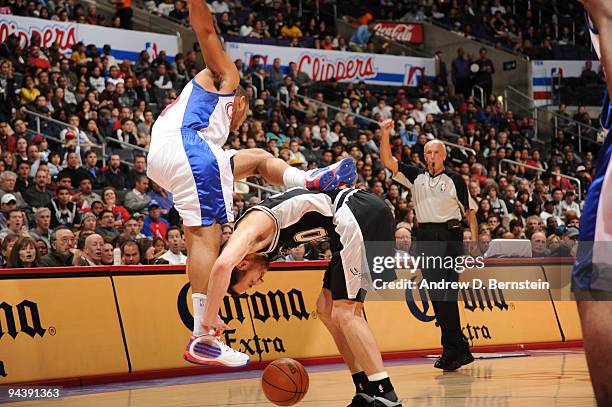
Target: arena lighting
point(500, 99)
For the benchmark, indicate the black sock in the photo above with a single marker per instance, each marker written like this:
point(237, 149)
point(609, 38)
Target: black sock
point(361, 382)
point(382, 388)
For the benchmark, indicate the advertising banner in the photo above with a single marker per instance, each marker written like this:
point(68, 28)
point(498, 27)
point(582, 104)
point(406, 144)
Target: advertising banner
point(547, 73)
point(124, 44)
point(400, 32)
point(59, 327)
point(323, 65)
point(277, 320)
point(75, 324)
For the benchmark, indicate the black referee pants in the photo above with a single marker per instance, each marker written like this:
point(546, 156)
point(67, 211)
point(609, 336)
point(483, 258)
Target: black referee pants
point(436, 244)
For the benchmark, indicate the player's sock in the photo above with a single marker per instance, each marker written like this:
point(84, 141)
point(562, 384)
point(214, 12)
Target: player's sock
point(199, 304)
point(292, 177)
point(361, 382)
point(379, 385)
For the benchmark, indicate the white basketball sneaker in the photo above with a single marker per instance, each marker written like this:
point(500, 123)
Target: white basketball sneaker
point(210, 350)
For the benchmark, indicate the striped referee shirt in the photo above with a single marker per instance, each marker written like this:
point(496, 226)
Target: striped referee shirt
point(437, 199)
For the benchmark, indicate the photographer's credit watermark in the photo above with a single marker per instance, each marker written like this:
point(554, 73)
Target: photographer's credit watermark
point(406, 261)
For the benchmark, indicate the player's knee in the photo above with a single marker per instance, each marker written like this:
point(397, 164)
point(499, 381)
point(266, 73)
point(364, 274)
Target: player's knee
point(342, 312)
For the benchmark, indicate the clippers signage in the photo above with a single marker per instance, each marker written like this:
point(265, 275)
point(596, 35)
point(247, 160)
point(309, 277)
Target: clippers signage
point(68, 34)
point(400, 32)
point(323, 66)
point(547, 74)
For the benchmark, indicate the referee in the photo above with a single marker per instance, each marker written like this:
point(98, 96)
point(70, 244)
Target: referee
point(441, 202)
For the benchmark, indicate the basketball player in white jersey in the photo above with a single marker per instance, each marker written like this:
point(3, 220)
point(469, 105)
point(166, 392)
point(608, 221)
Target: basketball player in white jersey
point(592, 273)
point(186, 157)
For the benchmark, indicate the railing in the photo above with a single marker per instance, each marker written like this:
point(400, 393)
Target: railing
point(482, 95)
point(448, 143)
point(40, 117)
point(538, 169)
point(335, 108)
point(261, 188)
point(548, 122)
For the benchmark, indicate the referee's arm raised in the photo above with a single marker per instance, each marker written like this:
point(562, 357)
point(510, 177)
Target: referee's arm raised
point(386, 156)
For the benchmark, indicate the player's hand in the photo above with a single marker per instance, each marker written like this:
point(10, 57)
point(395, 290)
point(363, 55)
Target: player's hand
point(387, 125)
point(218, 325)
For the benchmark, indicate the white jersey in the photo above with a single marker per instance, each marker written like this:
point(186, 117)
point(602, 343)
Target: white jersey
point(206, 112)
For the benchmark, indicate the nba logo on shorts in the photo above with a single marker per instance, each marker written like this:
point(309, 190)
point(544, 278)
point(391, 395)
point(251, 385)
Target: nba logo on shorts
point(229, 109)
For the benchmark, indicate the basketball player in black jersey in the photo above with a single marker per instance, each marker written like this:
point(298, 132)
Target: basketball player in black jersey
point(359, 226)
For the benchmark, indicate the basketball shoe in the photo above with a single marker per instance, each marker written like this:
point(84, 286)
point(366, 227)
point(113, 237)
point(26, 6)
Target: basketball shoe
point(210, 350)
point(333, 176)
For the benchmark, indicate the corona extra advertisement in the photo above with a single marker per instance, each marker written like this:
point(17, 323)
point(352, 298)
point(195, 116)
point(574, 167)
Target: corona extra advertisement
point(131, 320)
point(48, 324)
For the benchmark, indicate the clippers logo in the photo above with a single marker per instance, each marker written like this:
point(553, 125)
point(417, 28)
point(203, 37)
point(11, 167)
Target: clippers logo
point(229, 110)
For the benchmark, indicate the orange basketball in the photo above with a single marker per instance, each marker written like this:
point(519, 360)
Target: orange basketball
point(284, 382)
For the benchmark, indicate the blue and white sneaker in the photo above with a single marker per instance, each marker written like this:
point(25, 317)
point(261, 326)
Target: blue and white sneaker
point(333, 176)
point(212, 351)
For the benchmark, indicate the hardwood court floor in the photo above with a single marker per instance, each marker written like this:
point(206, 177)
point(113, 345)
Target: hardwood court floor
point(545, 378)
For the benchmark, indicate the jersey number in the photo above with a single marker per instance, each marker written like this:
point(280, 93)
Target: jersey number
point(310, 235)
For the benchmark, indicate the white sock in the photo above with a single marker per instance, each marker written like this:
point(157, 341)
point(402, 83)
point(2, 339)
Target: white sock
point(292, 177)
point(199, 304)
point(378, 376)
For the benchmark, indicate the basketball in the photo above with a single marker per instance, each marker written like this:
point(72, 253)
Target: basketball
point(284, 382)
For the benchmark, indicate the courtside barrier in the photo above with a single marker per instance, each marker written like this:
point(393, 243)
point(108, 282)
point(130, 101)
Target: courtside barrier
point(125, 321)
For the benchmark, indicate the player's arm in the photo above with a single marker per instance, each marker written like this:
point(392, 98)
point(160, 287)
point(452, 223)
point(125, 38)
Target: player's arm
point(215, 57)
point(386, 155)
point(238, 246)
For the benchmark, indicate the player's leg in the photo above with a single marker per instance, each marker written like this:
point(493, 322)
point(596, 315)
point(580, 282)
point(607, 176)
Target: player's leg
point(362, 344)
point(596, 321)
point(256, 161)
point(360, 379)
point(199, 177)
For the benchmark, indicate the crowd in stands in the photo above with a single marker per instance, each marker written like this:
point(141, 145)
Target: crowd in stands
point(63, 203)
point(536, 29)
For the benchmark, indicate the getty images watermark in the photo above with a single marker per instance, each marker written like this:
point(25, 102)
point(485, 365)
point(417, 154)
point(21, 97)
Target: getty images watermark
point(407, 261)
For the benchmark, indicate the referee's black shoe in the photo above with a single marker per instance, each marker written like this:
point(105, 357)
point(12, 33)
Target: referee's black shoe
point(452, 360)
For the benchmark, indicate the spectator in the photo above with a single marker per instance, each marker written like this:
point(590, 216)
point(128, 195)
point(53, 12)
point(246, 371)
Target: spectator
point(484, 76)
point(175, 244)
point(14, 223)
point(568, 204)
point(226, 231)
point(106, 225)
point(38, 195)
point(296, 253)
point(8, 180)
point(361, 36)
point(86, 197)
point(109, 198)
point(74, 170)
point(130, 253)
point(154, 224)
point(460, 73)
point(63, 212)
point(137, 199)
point(41, 248)
point(124, 12)
point(107, 254)
point(138, 170)
point(63, 245)
point(43, 223)
point(7, 246)
point(113, 175)
point(89, 222)
point(94, 246)
point(568, 245)
point(23, 181)
point(23, 254)
point(403, 241)
point(133, 229)
point(538, 245)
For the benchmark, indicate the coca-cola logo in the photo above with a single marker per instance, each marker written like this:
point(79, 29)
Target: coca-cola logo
point(320, 68)
point(400, 32)
point(66, 37)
